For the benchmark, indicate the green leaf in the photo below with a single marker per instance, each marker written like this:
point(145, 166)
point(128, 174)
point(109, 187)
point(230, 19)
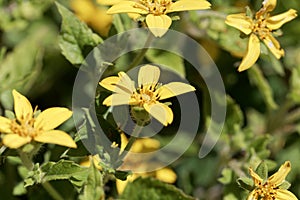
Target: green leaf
point(19, 189)
point(93, 187)
point(150, 188)
point(75, 36)
point(63, 169)
point(262, 170)
point(167, 59)
point(257, 78)
point(246, 183)
point(285, 185)
point(226, 176)
point(234, 114)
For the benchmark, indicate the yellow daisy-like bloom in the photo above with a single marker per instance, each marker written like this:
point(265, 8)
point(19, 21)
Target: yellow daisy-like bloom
point(26, 127)
point(147, 95)
point(156, 11)
point(269, 189)
point(94, 16)
point(143, 145)
point(260, 28)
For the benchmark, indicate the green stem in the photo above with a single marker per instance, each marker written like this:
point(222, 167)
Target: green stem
point(26, 159)
point(52, 192)
point(136, 131)
point(137, 60)
point(293, 116)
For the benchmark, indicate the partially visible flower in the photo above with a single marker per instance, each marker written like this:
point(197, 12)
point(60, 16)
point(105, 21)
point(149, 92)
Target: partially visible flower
point(270, 189)
point(260, 27)
point(26, 127)
point(147, 95)
point(95, 16)
point(156, 11)
point(143, 145)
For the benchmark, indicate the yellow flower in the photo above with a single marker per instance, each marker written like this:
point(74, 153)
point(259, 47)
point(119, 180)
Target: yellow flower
point(143, 145)
point(260, 28)
point(269, 189)
point(147, 95)
point(94, 16)
point(26, 127)
point(156, 11)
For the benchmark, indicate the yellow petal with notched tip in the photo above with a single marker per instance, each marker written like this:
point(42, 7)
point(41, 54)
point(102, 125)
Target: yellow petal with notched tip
point(15, 141)
point(148, 74)
point(285, 195)
point(56, 137)
point(127, 7)
point(109, 83)
point(22, 106)
point(278, 178)
point(51, 118)
point(274, 46)
point(5, 125)
point(253, 52)
point(158, 24)
point(275, 22)
point(240, 21)
point(160, 112)
point(117, 99)
point(184, 5)
point(174, 89)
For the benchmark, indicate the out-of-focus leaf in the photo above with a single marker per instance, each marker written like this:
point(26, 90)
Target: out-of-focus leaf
point(234, 114)
point(75, 36)
point(226, 176)
point(167, 59)
point(20, 68)
point(257, 78)
point(150, 188)
point(93, 187)
point(19, 189)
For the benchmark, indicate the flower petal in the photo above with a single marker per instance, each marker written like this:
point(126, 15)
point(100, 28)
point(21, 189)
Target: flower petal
point(56, 137)
point(108, 2)
point(160, 112)
point(127, 7)
point(166, 175)
point(109, 83)
point(183, 5)
point(253, 52)
point(22, 106)
point(274, 46)
point(277, 178)
point(5, 125)
point(269, 5)
point(158, 24)
point(252, 196)
point(51, 118)
point(275, 22)
point(15, 141)
point(174, 89)
point(148, 74)
point(240, 21)
point(255, 177)
point(117, 99)
point(284, 195)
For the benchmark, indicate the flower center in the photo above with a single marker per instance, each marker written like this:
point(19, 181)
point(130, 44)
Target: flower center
point(260, 28)
point(146, 94)
point(265, 191)
point(155, 7)
point(24, 127)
